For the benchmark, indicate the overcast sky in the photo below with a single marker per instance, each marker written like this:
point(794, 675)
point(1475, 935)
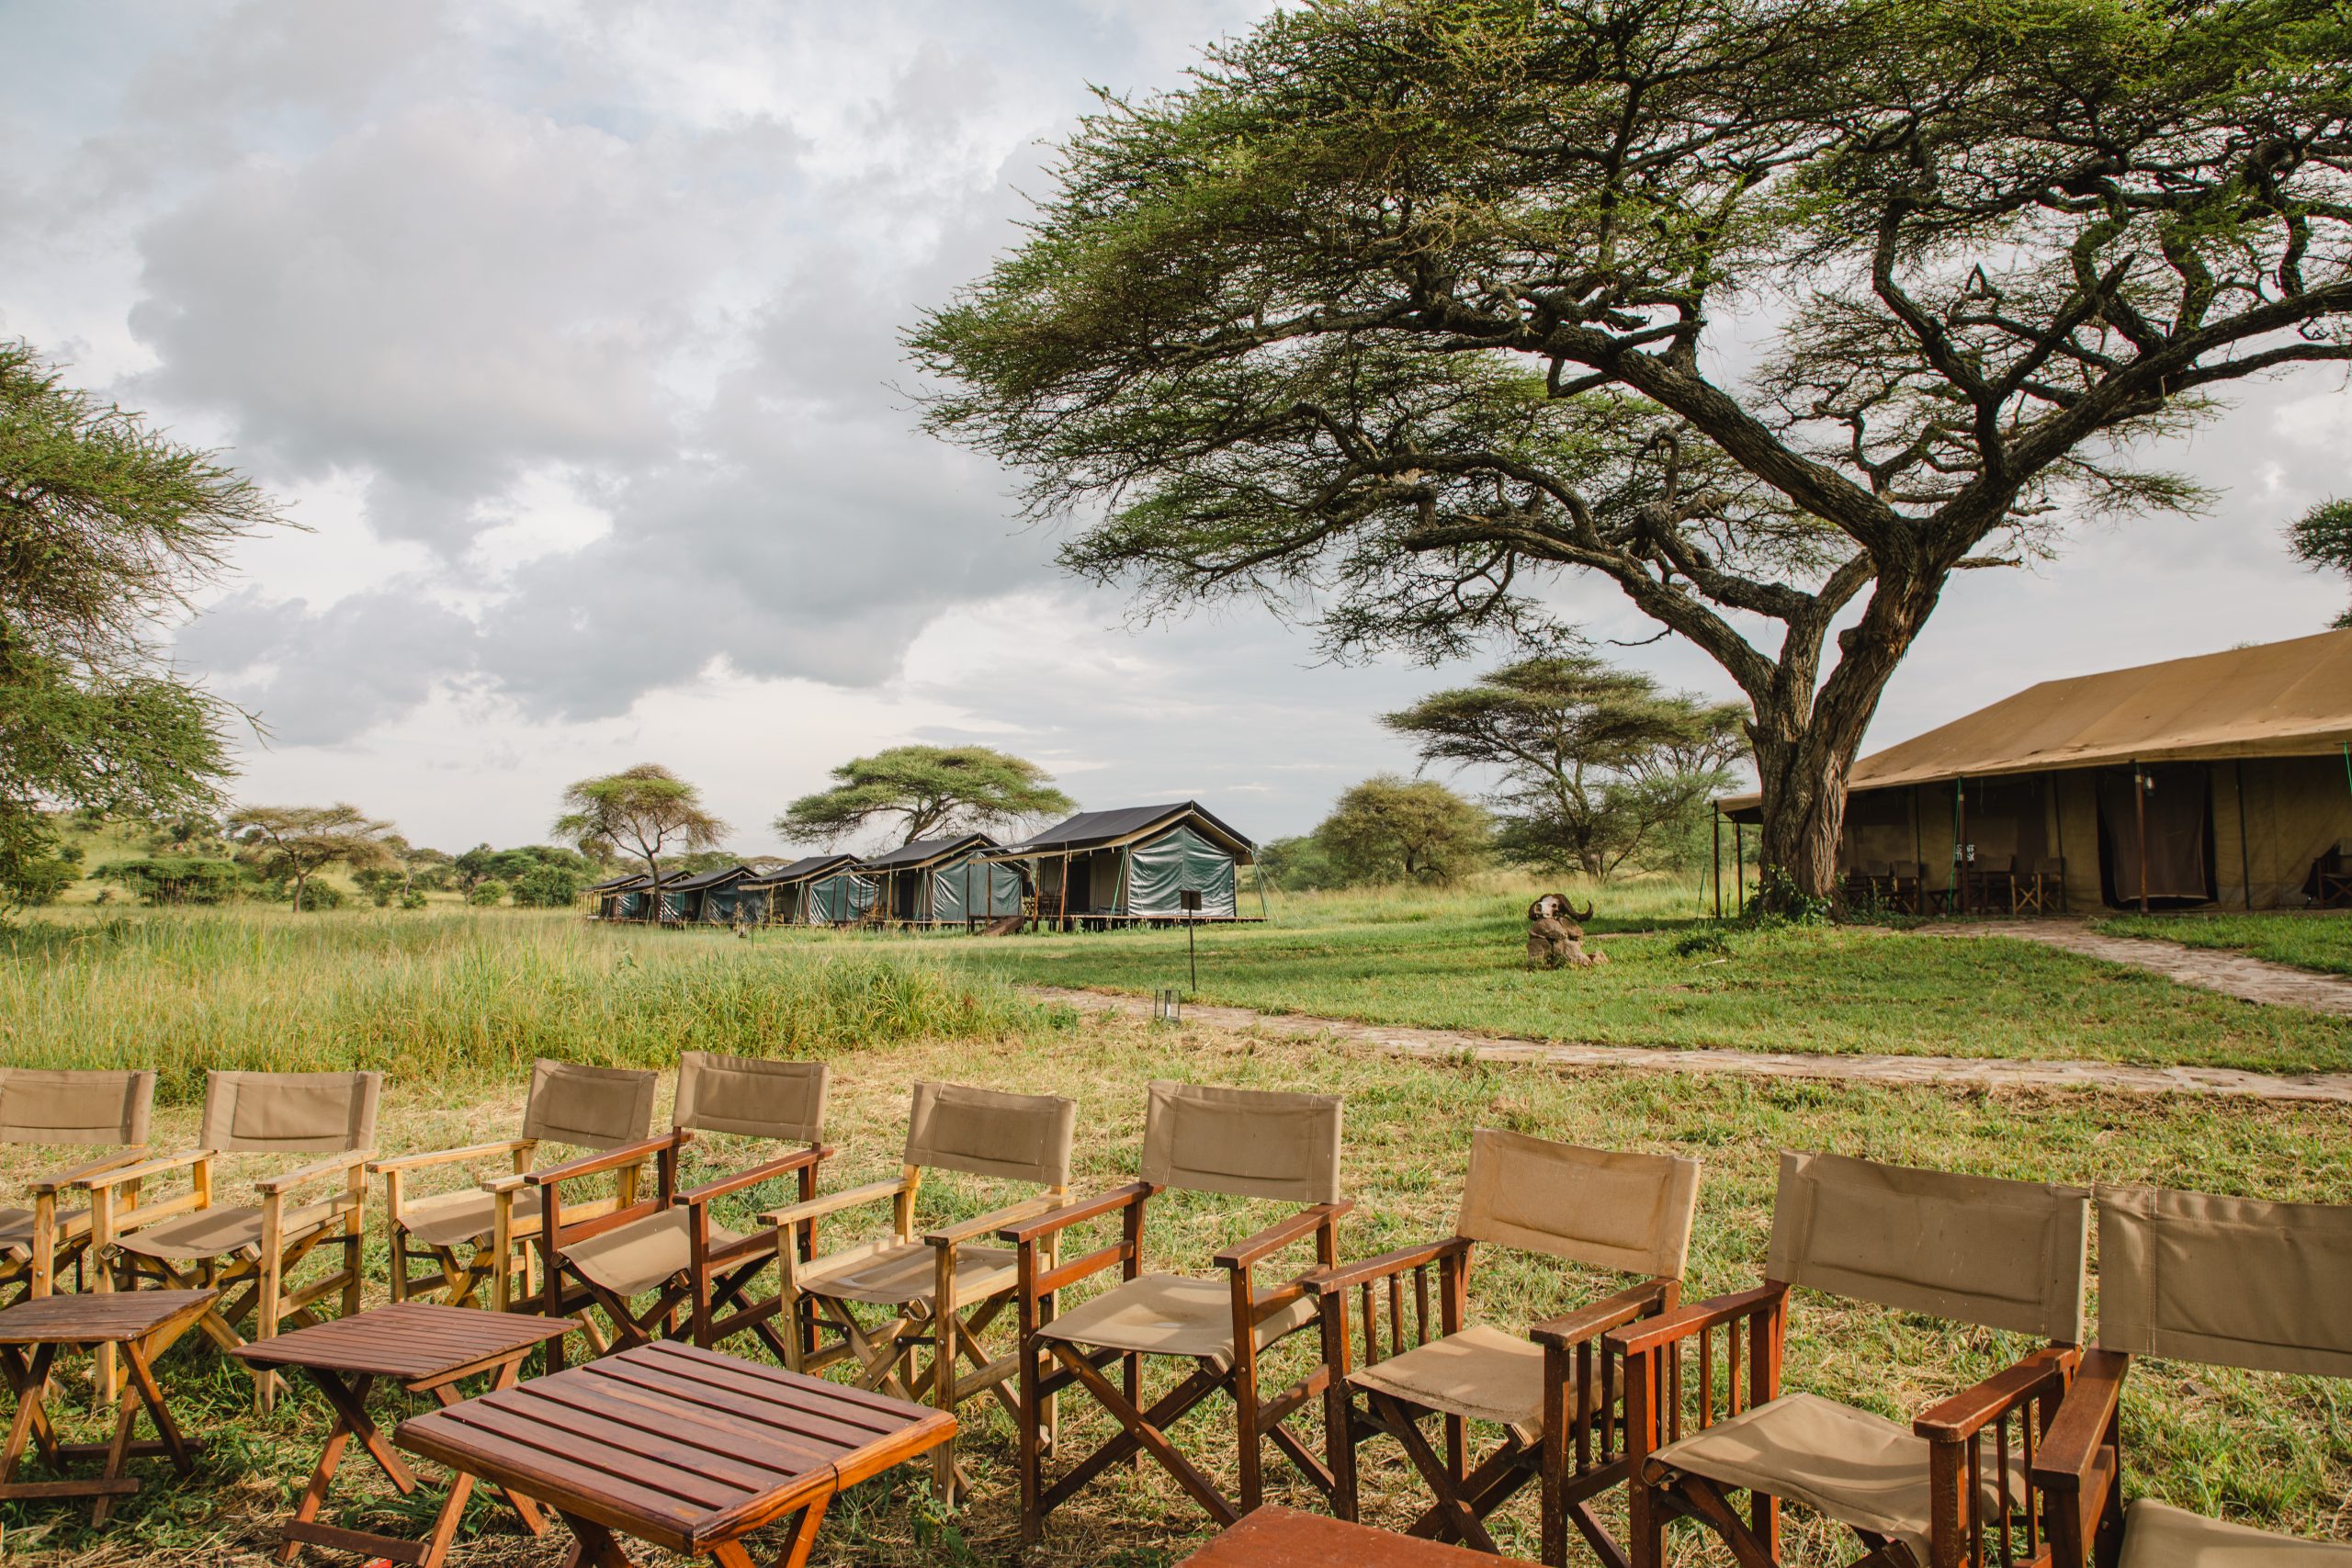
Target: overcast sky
point(569, 331)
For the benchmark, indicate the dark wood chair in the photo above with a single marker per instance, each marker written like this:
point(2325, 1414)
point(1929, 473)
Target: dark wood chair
point(2192, 1277)
point(1236, 1143)
point(2332, 879)
point(1993, 884)
point(941, 1289)
point(695, 1275)
point(2002, 1255)
point(1553, 1392)
point(2042, 890)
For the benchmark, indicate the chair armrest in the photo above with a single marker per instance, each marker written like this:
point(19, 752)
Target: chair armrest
point(1972, 1410)
point(2068, 1457)
point(608, 1159)
point(833, 1203)
point(1380, 1266)
point(512, 1181)
point(449, 1156)
point(1696, 1318)
point(79, 1176)
point(161, 1165)
point(784, 1165)
point(1085, 1209)
point(278, 1186)
point(1282, 1234)
point(1574, 1328)
point(979, 1226)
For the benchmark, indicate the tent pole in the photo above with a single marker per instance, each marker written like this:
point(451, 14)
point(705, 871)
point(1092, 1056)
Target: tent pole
point(1959, 839)
point(2245, 852)
point(2058, 816)
point(2140, 816)
point(1717, 858)
point(1918, 858)
point(1739, 863)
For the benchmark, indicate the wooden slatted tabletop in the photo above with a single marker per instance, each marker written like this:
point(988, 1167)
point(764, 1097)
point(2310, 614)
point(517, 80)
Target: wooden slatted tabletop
point(1286, 1538)
point(682, 1448)
point(96, 1317)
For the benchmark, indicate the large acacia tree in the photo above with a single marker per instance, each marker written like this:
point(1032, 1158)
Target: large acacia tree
point(924, 790)
point(1775, 313)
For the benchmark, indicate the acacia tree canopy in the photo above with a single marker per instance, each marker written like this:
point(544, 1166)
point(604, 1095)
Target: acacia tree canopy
point(926, 790)
point(1405, 308)
point(1389, 827)
point(642, 811)
point(294, 843)
point(2322, 538)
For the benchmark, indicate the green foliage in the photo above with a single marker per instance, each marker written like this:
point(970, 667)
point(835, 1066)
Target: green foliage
point(1703, 943)
point(1297, 864)
point(2321, 539)
point(547, 886)
point(381, 883)
point(644, 812)
point(316, 895)
point(486, 895)
point(926, 791)
point(176, 879)
point(510, 865)
point(287, 845)
point(35, 879)
point(1389, 829)
point(413, 899)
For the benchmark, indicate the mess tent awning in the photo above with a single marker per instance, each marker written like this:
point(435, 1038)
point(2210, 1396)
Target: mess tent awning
point(2218, 778)
point(1137, 863)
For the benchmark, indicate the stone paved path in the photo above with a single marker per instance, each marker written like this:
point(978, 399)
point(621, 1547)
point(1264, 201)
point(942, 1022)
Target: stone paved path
point(2233, 973)
point(1963, 1071)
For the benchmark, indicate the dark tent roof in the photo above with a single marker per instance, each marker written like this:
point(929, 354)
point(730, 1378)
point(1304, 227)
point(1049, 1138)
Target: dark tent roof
point(922, 852)
point(708, 879)
point(802, 868)
point(635, 882)
point(615, 883)
point(1089, 829)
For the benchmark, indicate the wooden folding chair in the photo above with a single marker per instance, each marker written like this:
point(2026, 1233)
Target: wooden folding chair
point(2002, 1255)
point(64, 1109)
point(478, 1236)
point(2192, 1277)
point(941, 1291)
point(1554, 1392)
point(191, 1242)
point(1238, 1142)
point(697, 1272)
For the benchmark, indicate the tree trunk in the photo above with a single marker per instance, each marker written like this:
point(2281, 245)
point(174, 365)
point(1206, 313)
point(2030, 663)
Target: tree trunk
point(652, 891)
point(302, 880)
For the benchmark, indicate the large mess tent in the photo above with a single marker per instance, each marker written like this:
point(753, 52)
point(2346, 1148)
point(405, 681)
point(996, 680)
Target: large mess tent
point(937, 882)
point(1136, 864)
point(790, 891)
point(2223, 779)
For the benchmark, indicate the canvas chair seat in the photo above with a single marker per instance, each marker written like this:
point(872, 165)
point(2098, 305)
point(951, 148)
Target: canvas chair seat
point(1845, 1465)
point(900, 1273)
point(637, 1258)
point(2158, 1535)
point(1167, 1315)
point(218, 1232)
point(1480, 1372)
point(17, 1229)
point(466, 1217)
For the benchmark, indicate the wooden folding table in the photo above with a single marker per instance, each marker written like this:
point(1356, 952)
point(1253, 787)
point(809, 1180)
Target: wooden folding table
point(429, 1350)
point(685, 1448)
point(142, 1325)
point(1286, 1538)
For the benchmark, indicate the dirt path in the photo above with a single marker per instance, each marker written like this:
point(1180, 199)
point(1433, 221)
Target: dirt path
point(2232, 974)
point(1965, 1071)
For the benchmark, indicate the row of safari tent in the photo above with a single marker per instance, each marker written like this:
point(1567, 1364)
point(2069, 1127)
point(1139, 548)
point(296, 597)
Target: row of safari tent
point(1135, 865)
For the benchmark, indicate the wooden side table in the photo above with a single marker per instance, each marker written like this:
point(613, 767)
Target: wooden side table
point(1284, 1537)
point(681, 1448)
point(428, 1349)
point(142, 1325)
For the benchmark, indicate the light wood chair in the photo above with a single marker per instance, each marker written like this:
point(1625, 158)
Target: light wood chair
point(478, 1235)
point(2001, 1255)
point(698, 1274)
point(2192, 1277)
point(194, 1242)
point(942, 1290)
point(1235, 1143)
point(1554, 1392)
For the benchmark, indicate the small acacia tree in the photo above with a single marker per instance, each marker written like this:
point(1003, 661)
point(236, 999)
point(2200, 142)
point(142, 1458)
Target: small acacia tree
point(1387, 828)
point(926, 790)
point(1597, 764)
point(1772, 313)
point(2322, 538)
point(294, 843)
point(640, 812)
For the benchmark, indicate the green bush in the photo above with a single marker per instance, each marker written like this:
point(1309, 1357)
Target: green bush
point(482, 894)
point(317, 895)
point(176, 879)
point(38, 880)
point(546, 887)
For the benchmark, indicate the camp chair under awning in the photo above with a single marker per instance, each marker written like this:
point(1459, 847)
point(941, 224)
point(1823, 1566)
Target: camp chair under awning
point(477, 1234)
point(668, 1247)
point(1554, 1390)
point(1240, 1143)
point(2193, 1277)
point(1943, 1492)
point(192, 1241)
point(944, 1289)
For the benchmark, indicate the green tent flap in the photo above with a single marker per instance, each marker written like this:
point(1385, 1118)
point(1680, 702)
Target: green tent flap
point(1178, 861)
point(840, 898)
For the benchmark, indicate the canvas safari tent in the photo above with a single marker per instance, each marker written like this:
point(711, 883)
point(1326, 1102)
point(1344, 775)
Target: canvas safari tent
point(2219, 780)
point(792, 892)
point(623, 898)
point(1138, 863)
point(717, 897)
point(937, 882)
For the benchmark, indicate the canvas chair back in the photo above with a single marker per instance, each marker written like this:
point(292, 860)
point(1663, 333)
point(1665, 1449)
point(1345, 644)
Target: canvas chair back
point(1602, 1207)
point(1244, 1142)
point(290, 1112)
point(1972, 1248)
point(752, 1096)
point(2234, 1282)
point(985, 1132)
point(588, 1108)
point(39, 1106)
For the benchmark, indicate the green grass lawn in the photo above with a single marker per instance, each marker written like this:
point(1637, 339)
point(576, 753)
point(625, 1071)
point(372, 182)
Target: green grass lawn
point(1454, 962)
point(2321, 940)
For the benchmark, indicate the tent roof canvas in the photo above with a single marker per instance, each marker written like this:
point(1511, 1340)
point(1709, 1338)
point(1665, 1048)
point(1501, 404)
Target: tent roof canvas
point(1091, 830)
point(725, 874)
point(802, 868)
point(2275, 699)
point(924, 852)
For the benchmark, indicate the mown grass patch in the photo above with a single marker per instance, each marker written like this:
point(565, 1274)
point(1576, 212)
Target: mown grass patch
point(2320, 940)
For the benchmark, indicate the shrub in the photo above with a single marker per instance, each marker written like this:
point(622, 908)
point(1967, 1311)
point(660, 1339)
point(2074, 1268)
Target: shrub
point(546, 887)
point(176, 879)
point(482, 894)
point(317, 895)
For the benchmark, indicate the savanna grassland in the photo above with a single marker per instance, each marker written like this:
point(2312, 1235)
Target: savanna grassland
point(453, 1006)
point(2321, 940)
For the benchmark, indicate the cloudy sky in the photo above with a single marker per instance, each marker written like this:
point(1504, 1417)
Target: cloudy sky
point(567, 328)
